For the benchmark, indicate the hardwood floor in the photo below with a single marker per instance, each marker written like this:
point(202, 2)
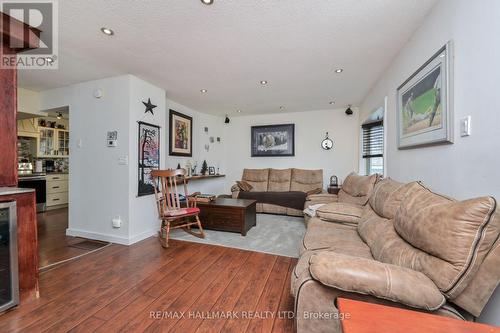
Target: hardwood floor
point(189, 287)
point(53, 244)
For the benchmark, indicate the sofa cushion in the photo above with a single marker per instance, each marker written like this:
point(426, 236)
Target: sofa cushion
point(334, 236)
point(367, 276)
point(359, 186)
point(279, 180)
point(340, 212)
point(243, 185)
point(305, 180)
point(258, 178)
point(387, 196)
point(459, 233)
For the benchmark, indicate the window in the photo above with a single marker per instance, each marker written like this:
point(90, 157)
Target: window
point(373, 146)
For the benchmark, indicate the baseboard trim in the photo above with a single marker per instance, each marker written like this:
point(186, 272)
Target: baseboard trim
point(110, 238)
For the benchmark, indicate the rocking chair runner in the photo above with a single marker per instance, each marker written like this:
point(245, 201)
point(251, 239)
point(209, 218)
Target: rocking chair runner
point(168, 202)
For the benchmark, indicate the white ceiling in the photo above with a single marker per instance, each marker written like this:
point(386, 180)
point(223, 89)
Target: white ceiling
point(227, 48)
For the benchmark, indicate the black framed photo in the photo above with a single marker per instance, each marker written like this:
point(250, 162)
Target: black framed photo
point(211, 171)
point(273, 140)
point(181, 134)
point(149, 156)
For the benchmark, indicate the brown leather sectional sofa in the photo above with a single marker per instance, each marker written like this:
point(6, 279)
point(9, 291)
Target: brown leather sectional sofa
point(406, 246)
point(280, 180)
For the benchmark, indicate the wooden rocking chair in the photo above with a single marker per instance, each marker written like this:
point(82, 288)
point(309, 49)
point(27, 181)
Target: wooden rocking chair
point(168, 202)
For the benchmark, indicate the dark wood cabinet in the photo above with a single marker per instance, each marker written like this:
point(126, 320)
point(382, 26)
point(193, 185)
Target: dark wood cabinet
point(27, 242)
point(236, 215)
point(8, 137)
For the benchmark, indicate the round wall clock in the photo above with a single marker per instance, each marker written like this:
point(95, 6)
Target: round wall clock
point(327, 143)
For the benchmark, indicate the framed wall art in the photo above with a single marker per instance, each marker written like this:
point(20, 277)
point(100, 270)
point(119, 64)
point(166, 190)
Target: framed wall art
point(180, 134)
point(424, 100)
point(273, 140)
point(149, 156)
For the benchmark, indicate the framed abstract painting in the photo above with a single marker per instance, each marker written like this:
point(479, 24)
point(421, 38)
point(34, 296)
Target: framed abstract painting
point(424, 101)
point(273, 140)
point(149, 156)
point(180, 134)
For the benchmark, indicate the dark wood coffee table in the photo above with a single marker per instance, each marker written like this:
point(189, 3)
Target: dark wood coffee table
point(226, 214)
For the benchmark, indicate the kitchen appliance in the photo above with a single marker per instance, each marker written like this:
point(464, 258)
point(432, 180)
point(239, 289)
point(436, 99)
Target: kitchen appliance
point(35, 180)
point(50, 166)
point(9, 279)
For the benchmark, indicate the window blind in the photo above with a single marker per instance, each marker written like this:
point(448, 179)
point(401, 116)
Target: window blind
point(373, 139)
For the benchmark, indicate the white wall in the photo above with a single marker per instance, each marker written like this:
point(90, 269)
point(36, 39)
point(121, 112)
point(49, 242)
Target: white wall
point(310, 129)
point(101, 188)
point(98, 185)
point(215, 155)
point(468, 167)
point(143, 214)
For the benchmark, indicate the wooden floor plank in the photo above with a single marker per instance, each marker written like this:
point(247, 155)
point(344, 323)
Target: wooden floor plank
point(135, 262)
point(284, 323)
point(168, 291)
point(115, 289)
point(266, 310)
point(227, 301)
point(249, 298)
point(211, 295)
point(205, 284)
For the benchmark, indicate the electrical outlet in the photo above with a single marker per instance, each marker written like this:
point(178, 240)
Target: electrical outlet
point(116, 222)
point(465, 126)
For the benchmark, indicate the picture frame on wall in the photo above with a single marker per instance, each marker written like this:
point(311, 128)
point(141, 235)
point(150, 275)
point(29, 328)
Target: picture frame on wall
point(180, 134)
point(148, 157)
point(425, 103)
point(273, 140)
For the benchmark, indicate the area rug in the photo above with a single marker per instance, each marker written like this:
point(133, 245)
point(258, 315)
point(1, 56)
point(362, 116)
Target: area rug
point(274, 234)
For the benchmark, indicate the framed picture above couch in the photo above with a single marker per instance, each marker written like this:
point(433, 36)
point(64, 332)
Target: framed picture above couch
point(273, 140)
point(425, 110)
point(180, 134)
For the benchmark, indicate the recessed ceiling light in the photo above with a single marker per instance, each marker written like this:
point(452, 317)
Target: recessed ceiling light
point(332, 102)
point(107, 31)
point(239, 111)
point(339, 70)
point(263, 82)
point(203, 91)
point(282, 107)
point(207, 2)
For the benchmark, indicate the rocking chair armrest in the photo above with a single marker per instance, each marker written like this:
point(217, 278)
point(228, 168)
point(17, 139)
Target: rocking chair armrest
point(192, 198)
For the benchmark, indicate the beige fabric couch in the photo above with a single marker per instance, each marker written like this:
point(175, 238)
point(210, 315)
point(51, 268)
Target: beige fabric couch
point(347, 206)
point(412, 248)
point(277, 180)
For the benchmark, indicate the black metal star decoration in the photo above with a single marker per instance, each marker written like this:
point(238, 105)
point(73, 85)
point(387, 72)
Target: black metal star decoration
point(149, 106)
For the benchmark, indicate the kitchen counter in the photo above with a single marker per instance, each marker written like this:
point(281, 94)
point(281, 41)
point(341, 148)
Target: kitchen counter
point(14, 190)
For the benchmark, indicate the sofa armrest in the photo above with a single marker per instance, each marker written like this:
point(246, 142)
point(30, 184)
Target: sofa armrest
point(322, 198)
point(371, 277)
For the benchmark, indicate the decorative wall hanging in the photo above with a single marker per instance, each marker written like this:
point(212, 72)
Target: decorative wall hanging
point(273, 140)
point(180, 134)
point(425, 110)
point(327, 143)
point(149, 156)
point(149, 106)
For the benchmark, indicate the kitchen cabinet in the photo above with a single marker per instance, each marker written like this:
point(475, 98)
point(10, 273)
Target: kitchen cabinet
point(53, 142)
point(57, 190)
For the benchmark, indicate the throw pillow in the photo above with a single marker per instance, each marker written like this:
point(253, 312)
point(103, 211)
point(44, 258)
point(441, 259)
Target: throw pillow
point(315, 191)
point(244, 186)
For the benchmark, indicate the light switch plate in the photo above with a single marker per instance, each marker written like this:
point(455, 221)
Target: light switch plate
point(465, 126)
